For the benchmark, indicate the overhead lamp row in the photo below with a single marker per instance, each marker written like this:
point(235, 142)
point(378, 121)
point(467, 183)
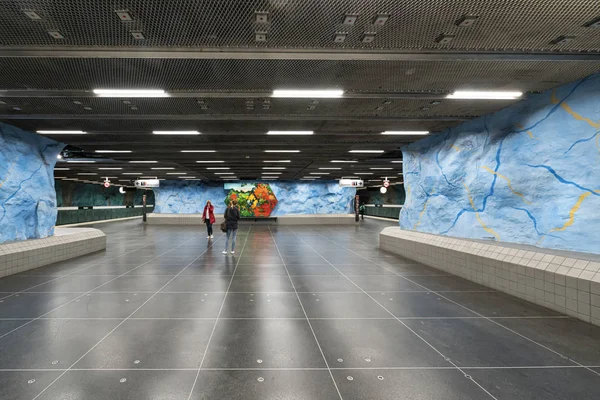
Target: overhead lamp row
point(187, 133)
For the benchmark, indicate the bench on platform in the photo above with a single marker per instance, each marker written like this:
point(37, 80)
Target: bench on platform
point(563, 281)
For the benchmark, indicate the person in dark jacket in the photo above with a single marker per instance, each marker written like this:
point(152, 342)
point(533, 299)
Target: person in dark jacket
point(232, 216)
point(208, 217)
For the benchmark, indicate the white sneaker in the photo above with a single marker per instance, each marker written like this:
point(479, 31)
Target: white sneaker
point(208, 237)
point(212, 236)
point(224, 252)
point(232, 252)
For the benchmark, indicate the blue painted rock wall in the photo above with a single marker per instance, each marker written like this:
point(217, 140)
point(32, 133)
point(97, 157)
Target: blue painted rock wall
point(69, 193)
point(27, 196)
point(527, 174)
point(189, 197)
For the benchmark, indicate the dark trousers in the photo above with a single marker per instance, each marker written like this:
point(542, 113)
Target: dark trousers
point(208, 227)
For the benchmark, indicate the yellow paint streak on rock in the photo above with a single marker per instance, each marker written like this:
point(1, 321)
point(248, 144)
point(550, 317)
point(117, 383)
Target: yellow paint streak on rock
point(456, 148)
point(571, 112)
point(491, 171)
point(572, 213)
point(521, 127)
point(421, 215)
point(489, 230)
point(8, 173)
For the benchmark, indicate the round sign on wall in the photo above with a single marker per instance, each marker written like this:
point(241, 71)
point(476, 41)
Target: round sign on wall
point(383, 190)
point(106, 184)
point(386, 184)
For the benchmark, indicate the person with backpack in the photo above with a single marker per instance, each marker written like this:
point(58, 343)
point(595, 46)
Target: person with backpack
point(361, 210)
point(232, 216)
point(208, 217)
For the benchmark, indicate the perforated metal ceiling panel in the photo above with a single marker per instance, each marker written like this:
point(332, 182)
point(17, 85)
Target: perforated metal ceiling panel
point(412, 24)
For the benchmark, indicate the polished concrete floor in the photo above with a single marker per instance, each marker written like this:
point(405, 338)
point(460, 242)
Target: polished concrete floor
point(298, 313)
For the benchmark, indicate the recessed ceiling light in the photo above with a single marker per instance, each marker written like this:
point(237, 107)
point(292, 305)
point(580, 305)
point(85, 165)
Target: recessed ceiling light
point(210, 162)
point(159, 168)
point(217, 168)
point(277, 161)
point(366, 151)
point(595, 23)
point(350, 19)
point(340, 37)
point(32, 15)
point(368, 37)
point(198, 151)
point(82, 161)
point(381, 19)
point(405, 132)
point(313, 94)
point(143, 162)
point(224, 173)
point(271, 173)
point(113, 151)
point(444, 39)
point(260, 36)
point(62, 169)
point(273, 168)
point(110, 169)
point(124, 15)
point(466, 20)
point(563, 39)
point(397, 162)
point(383, 169)
point(290, 133)
point(344, 161)
point(137, 35)
point(56, 34)
point(130, 93)
point(44, 132)
point(282, 151)
point(330, 169)
point(319, 173)
point(485, 95)
point(176, 173)
point(176, 132)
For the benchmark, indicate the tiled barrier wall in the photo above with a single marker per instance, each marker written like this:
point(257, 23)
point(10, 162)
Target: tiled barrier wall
point(568, 284)
point(67, 243)
point(384, 212)
point(196, 219)
point(66, 217)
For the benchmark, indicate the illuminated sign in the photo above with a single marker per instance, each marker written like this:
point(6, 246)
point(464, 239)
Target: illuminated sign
point(148, 183)
point(351, 183)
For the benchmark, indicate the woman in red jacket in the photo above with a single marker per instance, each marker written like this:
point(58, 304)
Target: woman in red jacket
point(208, 217)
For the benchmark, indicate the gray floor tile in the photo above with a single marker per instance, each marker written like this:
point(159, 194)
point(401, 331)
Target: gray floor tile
point(133, 283)
point(156, 343)
point(446, 283)
point(341, 305)
point(101, 305)
point(284, 343)
point(310, 269)
point(371, 283)
point(323, 284)
point(18, 385)
point(200, 284)
point(262, 305)
point(182, 305)
point(28, 305)
point(494, 304)
point(373, 344)
point(8, 325)
point(419, 304)
point(264, 284)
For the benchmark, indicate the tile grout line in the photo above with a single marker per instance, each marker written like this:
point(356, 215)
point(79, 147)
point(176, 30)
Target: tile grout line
point(274, 318)
point(88, 292)
point(124, 320)
point(447, 359)
point(306, 316)
point(218, 315)
point(472, 311)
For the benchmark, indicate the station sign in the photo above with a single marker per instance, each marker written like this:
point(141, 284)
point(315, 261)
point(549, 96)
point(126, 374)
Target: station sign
point(147, 183)
point(357, 183)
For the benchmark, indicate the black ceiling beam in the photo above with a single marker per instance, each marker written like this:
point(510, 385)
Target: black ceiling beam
point(290, 54)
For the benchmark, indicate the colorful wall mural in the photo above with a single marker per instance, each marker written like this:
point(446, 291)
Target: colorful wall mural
point(527, 174)
point(252, 199)
point(27, 196)
point(75, 194)
point(189, 197)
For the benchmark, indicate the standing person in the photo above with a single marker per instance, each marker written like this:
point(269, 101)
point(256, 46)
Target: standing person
point(232, 216)
point(208, 217)
point(361, 209)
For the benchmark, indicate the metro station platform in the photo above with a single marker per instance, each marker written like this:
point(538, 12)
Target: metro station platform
point(298, 313)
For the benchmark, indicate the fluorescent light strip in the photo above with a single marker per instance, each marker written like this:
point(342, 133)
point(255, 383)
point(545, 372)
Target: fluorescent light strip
point(217, 168)
point(224, 173)
point(330, 168)
point(198, 151)
point(148, 177)
point(308, 179)
point(113, 151)
point(290, 133)
point(143, 162)
point(87, 173)
point(83, 162)
point(282, 151)
point(363, 173)
point(405, 133)
point(484, 95)
point(381, 169)
point(210, 162)
point(367, 151)
point(319, 173)
point(313, 94)
point(131, 173)
point(311, 177)
point(62, 132)
point(165, 168)
point(273, 168)
point(130, 93)
point(343, 161)
point(271, 173)
point(62, 169)
point(277, 161)
point(110, 169)
point(175, 173)
point(397, 162)
point(176, 132)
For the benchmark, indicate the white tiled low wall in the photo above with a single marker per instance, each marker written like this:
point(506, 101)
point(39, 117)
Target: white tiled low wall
point(301, 219)
point(565, 282)
point(66, 243)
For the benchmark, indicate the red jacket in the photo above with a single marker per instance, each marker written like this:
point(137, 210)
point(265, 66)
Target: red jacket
point(211, 214)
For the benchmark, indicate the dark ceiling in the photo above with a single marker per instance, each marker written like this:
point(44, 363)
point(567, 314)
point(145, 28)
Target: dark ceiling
point(207, 55)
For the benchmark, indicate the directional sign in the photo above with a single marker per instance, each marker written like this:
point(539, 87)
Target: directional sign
point(147, 183)
point(351, 183)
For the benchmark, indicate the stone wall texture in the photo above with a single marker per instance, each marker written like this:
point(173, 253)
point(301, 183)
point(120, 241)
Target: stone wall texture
point(527, 174)
point(189, 197)
point(27, 196)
